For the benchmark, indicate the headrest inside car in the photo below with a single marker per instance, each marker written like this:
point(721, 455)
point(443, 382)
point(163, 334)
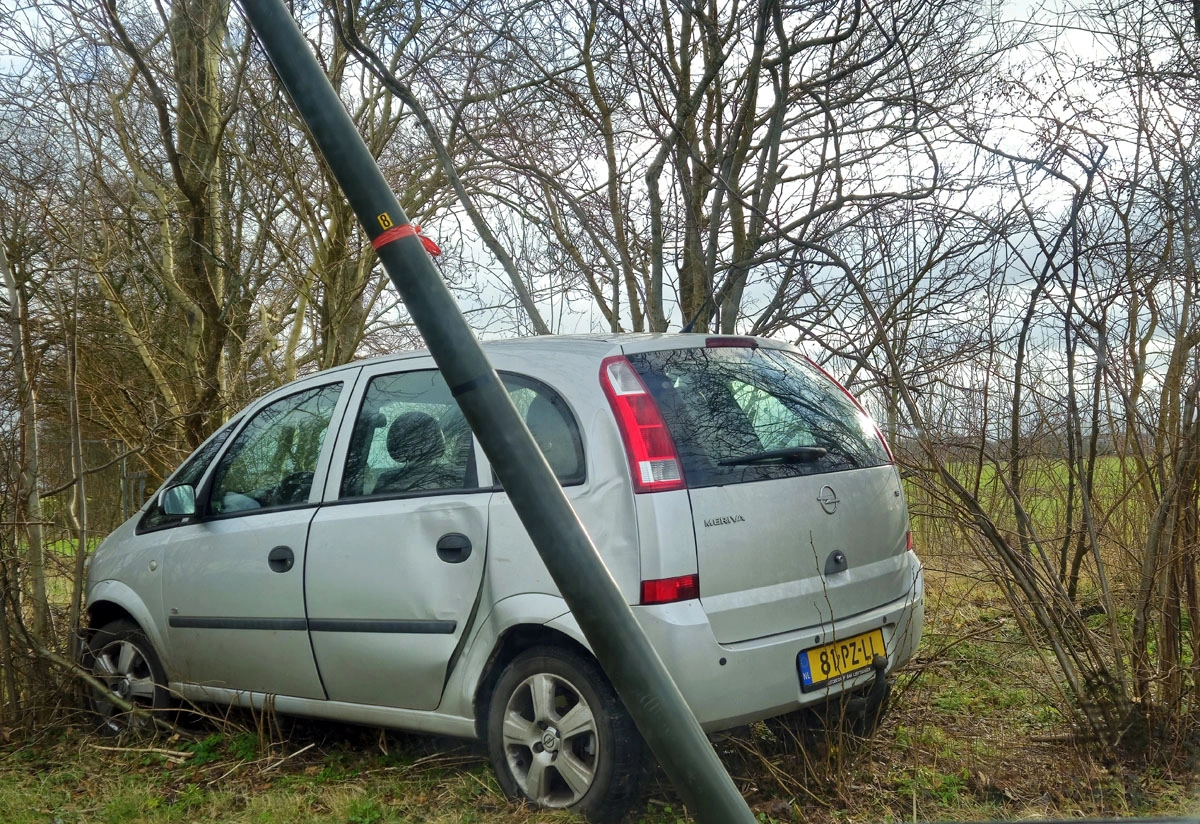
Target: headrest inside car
point(415, 436)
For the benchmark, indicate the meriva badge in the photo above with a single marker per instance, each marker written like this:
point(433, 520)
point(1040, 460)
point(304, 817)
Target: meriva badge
point(723, 520)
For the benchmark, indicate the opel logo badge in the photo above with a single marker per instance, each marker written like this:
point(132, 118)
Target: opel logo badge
point(828, 499)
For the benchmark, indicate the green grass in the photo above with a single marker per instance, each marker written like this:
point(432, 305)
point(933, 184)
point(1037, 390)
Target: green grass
point(1044, 485)
point(72, 780)
point(975, 732)
point(65, 547)
point(957, 746)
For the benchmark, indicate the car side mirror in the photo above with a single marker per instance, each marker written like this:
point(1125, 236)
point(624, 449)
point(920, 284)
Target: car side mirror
point(179, 500)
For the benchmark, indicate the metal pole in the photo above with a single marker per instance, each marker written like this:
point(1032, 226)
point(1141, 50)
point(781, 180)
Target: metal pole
point(638, 674)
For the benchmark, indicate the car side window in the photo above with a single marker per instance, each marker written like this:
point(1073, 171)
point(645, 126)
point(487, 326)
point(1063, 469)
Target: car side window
point(409, 438)
point(189, 473)
point(272, 462)
point(552, 425)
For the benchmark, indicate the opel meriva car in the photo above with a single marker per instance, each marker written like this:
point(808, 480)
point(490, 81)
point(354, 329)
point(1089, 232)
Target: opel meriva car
point(341, 549)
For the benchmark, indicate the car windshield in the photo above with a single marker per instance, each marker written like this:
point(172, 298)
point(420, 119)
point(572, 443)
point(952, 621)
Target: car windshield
point(749, 414)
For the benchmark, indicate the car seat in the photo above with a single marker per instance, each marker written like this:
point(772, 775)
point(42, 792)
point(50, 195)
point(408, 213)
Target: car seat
point(415, 441)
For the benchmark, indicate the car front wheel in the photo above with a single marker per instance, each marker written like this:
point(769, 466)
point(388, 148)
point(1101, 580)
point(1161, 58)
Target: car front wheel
point(120, 656)
point(559, 736)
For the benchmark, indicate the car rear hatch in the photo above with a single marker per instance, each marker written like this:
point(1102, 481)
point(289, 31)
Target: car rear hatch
point(798, 513)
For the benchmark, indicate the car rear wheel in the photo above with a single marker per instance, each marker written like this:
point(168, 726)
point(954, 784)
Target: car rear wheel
point(120, 656)
point(560, 738)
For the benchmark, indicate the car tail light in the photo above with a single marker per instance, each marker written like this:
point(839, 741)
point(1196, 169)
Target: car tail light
point(670, 590)
point(653, 458)
point(908, 542)
point(878, 432)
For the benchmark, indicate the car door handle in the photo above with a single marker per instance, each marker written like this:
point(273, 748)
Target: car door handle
point(454, 548)
point(281, 559)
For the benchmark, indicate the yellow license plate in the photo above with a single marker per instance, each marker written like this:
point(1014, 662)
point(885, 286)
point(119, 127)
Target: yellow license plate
point(821, 666)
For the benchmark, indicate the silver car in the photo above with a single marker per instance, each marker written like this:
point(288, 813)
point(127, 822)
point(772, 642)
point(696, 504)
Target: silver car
point(342, 550)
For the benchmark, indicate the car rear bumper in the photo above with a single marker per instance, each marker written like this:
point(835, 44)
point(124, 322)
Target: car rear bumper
point(731, 684)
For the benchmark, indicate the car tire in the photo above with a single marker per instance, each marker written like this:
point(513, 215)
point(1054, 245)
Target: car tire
point(559, 736)
point(120, 656)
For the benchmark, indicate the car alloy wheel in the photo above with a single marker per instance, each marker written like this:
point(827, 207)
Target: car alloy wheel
point(559, 736)
point(550, 740)
point(120, 656)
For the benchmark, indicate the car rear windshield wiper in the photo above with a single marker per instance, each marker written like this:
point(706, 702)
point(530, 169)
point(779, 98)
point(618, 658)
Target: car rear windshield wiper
point(793, 454)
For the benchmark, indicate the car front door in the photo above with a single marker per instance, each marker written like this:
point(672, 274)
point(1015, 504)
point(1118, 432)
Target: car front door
point(395, 563)
point(233, 581)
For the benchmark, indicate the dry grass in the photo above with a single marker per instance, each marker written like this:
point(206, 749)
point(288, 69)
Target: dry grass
point(975, 732)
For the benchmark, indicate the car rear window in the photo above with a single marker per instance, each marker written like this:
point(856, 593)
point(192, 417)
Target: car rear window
point(552, 425)
point(750, 414)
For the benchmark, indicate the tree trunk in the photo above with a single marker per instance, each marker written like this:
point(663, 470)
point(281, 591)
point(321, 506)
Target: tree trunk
point(35, 561)
point(198, 29)
point(78, 504)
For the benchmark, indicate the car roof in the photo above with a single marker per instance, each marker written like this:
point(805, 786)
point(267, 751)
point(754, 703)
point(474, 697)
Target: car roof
point(595, 344)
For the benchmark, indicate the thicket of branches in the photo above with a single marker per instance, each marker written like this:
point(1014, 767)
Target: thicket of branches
point(988, 225)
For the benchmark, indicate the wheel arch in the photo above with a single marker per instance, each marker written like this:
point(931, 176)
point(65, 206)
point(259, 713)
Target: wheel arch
point(105, 612)
point(111, 601)
point(511, 643)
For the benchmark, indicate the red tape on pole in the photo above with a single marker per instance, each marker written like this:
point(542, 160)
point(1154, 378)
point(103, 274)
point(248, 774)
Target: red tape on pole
point(397, 232)
point(394, 233)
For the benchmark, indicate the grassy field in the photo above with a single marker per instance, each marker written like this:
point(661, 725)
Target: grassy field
point(973, 734)
point(1044, 485)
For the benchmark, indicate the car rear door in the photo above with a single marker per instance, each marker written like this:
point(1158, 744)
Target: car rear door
point(395, 561)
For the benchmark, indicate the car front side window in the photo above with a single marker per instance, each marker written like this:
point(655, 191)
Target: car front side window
point(190, 474)
point(272, 462)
